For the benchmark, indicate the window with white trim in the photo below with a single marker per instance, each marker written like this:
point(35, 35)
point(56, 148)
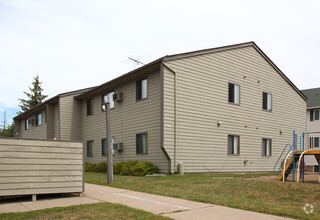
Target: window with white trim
point(234, 93)
point(38, 119)
point(142, 89)
point(233, 144)
point(266, 101)
point(266, 147)
point(314, 115)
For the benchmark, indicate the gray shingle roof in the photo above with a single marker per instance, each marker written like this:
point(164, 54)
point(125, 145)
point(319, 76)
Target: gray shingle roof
point(313, 96)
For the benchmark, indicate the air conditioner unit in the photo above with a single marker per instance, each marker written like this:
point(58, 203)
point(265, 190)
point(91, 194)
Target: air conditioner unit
point(117, 96)
point(118, 146)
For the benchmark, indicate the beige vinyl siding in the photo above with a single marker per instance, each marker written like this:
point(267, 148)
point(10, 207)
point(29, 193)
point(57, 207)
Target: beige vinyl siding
point(202, 101)
point(56, 122)
point(128, 118)
point(70, 118)
point(40, 167)
point(50, 121)
point(34, 132)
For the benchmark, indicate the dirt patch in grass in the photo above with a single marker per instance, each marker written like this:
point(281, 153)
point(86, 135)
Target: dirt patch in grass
point(308, 178)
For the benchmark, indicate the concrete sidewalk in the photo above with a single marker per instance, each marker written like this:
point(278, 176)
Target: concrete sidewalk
point(160, 205)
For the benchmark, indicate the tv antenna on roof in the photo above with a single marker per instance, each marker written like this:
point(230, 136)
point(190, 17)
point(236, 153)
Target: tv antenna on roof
point(136, 62)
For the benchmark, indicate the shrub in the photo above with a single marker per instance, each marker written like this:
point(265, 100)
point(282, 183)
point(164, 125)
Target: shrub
point(135, 168)
point(96, 167)
point(117, 169)
point(144, 168)
point(89, 167)
point(101, 167)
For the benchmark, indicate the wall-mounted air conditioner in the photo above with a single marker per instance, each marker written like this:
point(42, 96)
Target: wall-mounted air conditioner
point(117, 146)
point(117, 96)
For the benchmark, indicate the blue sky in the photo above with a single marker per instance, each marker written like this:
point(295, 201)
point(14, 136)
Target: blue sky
point(73, 44)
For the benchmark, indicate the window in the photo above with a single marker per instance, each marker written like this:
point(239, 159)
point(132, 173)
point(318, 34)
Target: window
point(104, 149)
point(142, 89)
point(316, 142)
point(267, 101)
point(266, 147)
point(26, 124)
point(314, 115)
point(233, 145)
point(89, 107)
point(142, 143)
point(108, 98)
point(89, 148)
point(38, 119)
point(234, 93)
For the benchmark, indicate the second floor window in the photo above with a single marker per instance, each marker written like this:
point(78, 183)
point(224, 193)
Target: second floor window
point(38, 119)
point(314, 115)
point(90, 107)
point(142, 89)
point(26, 124)
point(234, 93)
point(266, 101)
point(108, 98)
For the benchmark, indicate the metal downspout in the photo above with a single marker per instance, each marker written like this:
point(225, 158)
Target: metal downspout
point(175, 116)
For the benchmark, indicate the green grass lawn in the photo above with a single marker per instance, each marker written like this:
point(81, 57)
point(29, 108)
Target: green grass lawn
point(233, 190)
point(91, 211)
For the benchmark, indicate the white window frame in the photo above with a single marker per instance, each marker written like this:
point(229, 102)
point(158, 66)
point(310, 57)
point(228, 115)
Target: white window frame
point(269, 101)
point(38, 119)
point(266, 147)
point(235, 142)
point(142, 89)
point(236, 93)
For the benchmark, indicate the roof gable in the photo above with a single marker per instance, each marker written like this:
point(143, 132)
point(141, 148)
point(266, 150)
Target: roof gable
point(232, 47)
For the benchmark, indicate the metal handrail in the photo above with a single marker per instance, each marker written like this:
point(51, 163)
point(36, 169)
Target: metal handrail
point(284, 165)
point(274, 168)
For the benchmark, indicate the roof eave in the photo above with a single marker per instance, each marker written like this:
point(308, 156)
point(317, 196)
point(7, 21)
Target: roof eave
point(92, 91)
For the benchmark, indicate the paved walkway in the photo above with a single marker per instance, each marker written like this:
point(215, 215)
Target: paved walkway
point(160, 205)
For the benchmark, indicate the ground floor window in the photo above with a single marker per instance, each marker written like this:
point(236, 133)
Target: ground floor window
point(89, 148)
point(142, 143)
point(104, 150)
point(233, 144)
point(266, 147)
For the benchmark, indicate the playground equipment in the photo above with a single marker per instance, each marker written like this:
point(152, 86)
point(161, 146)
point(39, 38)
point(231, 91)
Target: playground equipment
point(292, 157)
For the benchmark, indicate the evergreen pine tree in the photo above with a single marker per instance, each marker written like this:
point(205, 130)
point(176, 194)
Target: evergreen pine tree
point(35, 97)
